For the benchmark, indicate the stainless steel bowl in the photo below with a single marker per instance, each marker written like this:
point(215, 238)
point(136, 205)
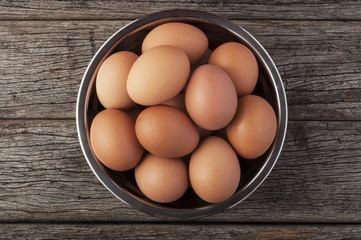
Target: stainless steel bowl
point(218, 30)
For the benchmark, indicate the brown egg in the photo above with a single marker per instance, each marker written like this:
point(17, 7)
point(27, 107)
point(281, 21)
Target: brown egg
point(253, 129)
point(112, 78)
point(166, 131)
point(239, 63)
point(112, 137)
point(221, 133)
point(214, 170)
point(134, 112)
point(181, 35)
point(158, 75)
point(203, 133)
point(211, 97)
point(204, 60)
point(177, 102)
point(162, 180)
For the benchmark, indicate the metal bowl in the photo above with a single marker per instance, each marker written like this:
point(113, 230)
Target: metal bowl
point(218, 31)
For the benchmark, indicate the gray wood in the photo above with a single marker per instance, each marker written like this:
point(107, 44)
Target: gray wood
point(178, 231)
point(47, 190)
point(311, 9)
point(44, 177)
point(42, 64)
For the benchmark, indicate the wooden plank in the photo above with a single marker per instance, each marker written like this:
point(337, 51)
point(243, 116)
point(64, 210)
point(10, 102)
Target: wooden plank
point(312, 9)
point(178, 231)
point(42, 64)
point(44, 177)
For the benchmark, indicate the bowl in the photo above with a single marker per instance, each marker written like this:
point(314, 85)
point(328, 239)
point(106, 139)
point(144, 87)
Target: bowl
point(218, 31)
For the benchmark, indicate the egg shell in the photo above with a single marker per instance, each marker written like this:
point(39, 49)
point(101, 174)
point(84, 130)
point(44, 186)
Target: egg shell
point(179, 102)
point(112, 78)
point(166, 131)
point(211, 98)
point(158, 75)
point(214, 170)
point(239, 63)
point(113, 140)
point(204, 60)
point(253, 128)
point(221, 133)
point(181, 35)
point(162, 180)
point(134, 112)
point(203, 133)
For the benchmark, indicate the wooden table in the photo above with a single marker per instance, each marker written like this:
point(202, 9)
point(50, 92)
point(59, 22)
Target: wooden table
point(47, 190)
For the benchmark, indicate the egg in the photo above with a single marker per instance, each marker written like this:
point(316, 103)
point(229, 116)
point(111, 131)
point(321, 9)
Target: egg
point(112, 78)
point(253, 128)
point(210, 97)
point(181, 35)
point(158, 75)
point(177, 102)
point(239, 63)
point(214, 170)
point(134, 112)
point(161, 179)
point(166, 131)
point(203, 133)
point(113, 140)
point(204, 60)
point(221, 133)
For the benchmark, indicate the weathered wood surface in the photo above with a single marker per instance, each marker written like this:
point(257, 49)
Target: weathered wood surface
point(44, 177)
point(47, 190)
point(178, 231)
point(233, 9)
point(42, 64)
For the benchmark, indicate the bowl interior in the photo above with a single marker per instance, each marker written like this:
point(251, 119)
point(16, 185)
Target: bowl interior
point(251, 169)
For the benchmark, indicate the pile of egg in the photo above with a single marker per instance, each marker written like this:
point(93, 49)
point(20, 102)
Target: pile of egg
point(181, 114)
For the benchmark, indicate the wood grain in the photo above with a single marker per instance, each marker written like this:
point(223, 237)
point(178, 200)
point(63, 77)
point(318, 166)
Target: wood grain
point(178, 231)
point(233, 9)
point(44, 177)
point(47, 190)
point(42, 64)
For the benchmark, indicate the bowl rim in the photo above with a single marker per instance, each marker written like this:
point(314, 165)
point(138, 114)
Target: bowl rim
point(156, 210)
